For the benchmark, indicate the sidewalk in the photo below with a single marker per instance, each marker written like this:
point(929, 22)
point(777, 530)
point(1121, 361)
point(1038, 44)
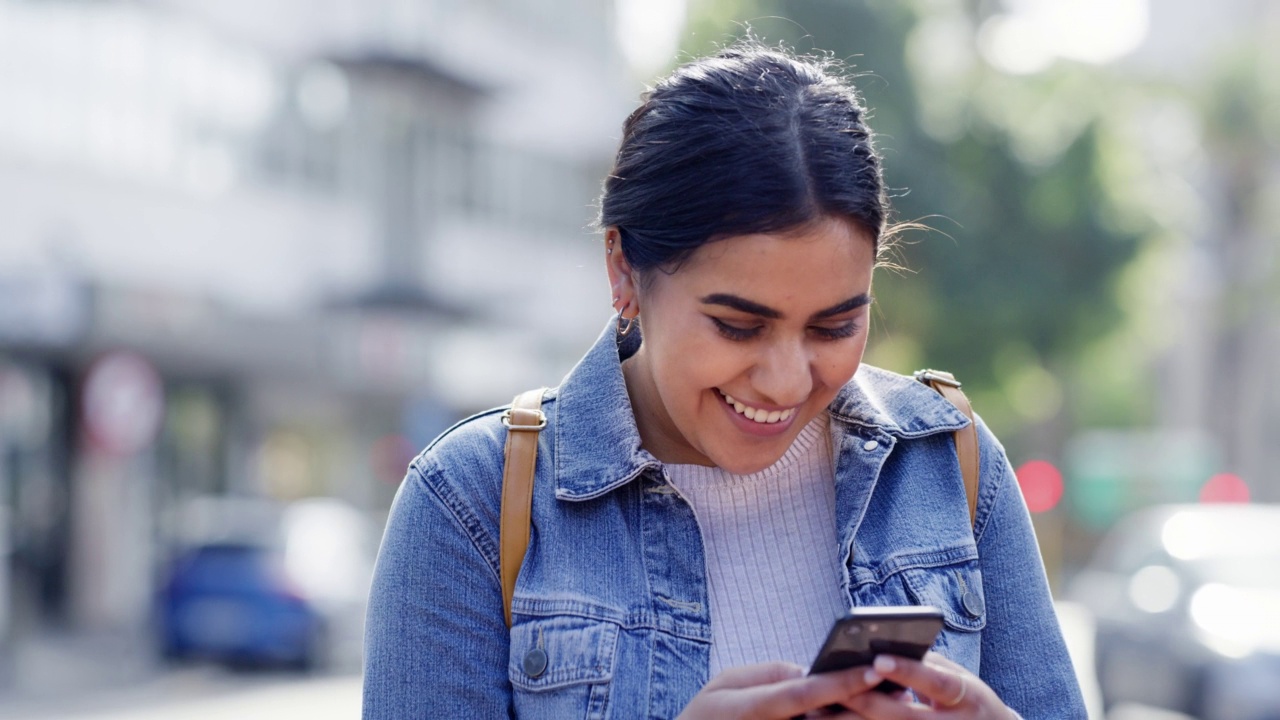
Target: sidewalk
point(111, 677)
point(69, 669)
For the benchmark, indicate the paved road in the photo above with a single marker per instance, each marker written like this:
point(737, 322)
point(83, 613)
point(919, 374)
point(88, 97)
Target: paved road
point(256, 698)
point(326, 698)
point(208, 695)
point(73, 682)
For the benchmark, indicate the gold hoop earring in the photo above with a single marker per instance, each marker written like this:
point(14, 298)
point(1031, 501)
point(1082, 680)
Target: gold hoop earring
point(631, 322)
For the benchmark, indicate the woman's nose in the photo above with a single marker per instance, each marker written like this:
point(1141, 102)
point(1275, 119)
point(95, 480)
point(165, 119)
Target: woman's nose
point(783, 375)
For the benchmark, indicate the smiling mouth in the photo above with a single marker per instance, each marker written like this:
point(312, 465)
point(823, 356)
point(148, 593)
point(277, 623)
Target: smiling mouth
point(761, 416)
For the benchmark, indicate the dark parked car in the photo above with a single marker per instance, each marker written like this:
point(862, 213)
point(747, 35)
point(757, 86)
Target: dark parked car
point(233, 603)
point(1187, 604)
point(255, 582)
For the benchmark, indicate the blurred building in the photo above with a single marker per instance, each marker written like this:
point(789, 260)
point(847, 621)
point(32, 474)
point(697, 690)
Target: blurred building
point(274, 258)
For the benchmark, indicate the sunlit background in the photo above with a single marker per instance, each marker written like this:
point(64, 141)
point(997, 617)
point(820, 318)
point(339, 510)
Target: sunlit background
point(255, 255)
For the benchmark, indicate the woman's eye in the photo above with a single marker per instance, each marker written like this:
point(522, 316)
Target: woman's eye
point(838, 332)
point(734, 332)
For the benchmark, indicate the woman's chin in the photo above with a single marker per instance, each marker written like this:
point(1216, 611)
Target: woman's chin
point(746, 462)
point(746, 469)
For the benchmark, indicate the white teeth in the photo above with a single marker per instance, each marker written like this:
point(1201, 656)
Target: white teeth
point(761, 416)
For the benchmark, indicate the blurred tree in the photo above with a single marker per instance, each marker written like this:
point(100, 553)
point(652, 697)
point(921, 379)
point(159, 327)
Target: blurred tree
point(1017, 280)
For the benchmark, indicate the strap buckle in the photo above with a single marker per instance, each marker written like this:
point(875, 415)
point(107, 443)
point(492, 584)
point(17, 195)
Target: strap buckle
point(542, 421)
point(939, 376)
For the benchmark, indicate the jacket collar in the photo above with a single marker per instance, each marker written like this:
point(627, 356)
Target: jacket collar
point(597, 444)
point(896, 404)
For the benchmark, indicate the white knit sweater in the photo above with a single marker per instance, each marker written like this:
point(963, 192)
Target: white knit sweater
point(773, 573)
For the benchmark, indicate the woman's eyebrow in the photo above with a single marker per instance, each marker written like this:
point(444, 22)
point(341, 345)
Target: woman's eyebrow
point(754, 308)
point(852, 303)
point(743, 304)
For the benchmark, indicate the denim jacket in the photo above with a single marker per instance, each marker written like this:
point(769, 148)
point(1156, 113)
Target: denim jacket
point(610, 615)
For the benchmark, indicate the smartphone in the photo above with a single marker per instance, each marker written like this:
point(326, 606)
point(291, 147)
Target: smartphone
point(855, 639)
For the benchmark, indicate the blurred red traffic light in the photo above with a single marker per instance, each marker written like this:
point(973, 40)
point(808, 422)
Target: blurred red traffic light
point(1041, 485)
point(1225, 488)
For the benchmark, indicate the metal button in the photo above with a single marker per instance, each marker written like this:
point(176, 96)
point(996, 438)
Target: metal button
point(870, 445)
point(535, 662)
point(972, 603)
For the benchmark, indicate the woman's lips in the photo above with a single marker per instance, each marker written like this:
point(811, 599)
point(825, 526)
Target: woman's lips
point(755, 414)
point(757, 421)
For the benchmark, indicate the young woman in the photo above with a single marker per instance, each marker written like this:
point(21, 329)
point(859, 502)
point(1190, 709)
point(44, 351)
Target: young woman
point(719, 478)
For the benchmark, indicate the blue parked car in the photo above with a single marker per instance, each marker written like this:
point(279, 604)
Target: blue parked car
point(255, 582)
point(233, 603)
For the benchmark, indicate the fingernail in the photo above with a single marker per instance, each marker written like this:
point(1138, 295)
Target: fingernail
point(884, 663)
point(872, 677)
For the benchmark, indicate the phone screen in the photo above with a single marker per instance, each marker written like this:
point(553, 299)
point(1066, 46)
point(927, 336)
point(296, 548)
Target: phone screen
point(856, 639)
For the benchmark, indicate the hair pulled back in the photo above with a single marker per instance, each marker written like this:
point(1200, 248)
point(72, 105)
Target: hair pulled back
point(749, 140)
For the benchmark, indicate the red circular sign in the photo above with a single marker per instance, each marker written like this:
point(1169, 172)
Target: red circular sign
point(122, 402)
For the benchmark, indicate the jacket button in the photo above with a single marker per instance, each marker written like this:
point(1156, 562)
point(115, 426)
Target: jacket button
point(972, 603)
point(870, 445)
point(535, 662)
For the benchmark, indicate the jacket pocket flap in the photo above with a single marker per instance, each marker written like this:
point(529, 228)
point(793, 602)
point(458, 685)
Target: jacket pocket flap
point(954, 589)
point(553, 652)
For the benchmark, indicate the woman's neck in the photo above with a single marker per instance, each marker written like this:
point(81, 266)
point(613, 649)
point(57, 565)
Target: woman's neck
point(658, 434)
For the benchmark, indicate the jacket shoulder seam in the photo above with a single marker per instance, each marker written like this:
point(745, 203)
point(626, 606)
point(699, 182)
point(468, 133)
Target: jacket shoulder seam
point(549, 397)
point(433, 480)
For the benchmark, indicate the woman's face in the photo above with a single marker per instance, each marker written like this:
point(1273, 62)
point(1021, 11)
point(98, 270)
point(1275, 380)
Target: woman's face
point(747, 342)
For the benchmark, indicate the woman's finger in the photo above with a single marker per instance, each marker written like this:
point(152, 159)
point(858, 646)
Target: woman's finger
point(752, 675)
point(945, 687)
point(939, 660)
point(800, 695)
point(878, 706)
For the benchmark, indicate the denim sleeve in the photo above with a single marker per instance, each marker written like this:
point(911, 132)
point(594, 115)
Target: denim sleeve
point(1024, 657)
point(436, 644)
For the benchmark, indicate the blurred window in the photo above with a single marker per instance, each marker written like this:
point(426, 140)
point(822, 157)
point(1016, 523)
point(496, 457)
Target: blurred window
point(130, 92)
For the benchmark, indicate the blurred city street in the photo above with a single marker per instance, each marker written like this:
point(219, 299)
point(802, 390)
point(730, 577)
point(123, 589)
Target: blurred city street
point(256, 255)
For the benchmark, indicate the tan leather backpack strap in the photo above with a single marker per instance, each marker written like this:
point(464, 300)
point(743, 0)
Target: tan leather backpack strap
point(966, 437)
point(524, 421)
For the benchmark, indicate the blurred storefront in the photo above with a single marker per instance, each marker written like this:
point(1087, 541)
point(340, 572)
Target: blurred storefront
point(273, 266)
point(107, 432)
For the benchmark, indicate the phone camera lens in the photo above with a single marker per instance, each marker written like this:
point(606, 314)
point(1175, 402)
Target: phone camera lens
point(874, 627)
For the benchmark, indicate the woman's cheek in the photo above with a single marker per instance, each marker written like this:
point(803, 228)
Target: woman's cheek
point(837, 366)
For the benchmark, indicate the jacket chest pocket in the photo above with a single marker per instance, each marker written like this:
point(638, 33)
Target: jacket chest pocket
point(955, 589)
point(561, 667)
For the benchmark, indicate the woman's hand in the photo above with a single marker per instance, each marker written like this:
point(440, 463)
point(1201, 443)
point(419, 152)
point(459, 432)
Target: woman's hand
point(950, 690)
point(775, 691)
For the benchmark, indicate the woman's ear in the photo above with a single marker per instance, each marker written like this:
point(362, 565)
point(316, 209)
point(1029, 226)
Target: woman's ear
point(622, 278)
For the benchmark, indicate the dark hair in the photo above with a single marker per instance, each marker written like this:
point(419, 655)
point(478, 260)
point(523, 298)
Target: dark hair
point(749, 140)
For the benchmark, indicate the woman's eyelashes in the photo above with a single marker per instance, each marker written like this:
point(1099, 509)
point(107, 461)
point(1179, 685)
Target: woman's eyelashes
point(826, 332)
point(734, 332)
point(838, 332)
